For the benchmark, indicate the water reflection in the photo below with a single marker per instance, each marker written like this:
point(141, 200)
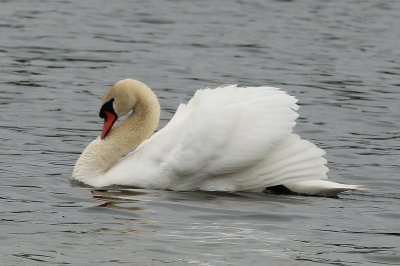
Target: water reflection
point(118, 199)
point(116, 194)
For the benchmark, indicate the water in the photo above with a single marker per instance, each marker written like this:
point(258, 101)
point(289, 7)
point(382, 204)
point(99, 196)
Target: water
point(340, 58)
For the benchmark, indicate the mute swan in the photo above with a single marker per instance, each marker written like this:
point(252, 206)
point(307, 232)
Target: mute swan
point(225, 139)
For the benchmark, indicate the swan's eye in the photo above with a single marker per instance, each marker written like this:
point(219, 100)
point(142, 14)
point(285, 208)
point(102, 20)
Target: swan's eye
point(108, 106)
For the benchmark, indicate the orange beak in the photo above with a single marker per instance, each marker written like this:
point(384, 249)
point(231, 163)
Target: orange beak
point(109, 120)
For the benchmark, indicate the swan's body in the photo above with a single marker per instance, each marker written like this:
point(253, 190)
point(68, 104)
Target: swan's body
point(224, 139)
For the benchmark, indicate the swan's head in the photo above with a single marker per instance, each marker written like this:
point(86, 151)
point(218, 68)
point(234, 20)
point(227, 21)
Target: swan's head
point(119, 100)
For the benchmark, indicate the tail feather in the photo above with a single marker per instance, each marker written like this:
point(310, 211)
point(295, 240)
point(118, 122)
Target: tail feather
point(321, 188)
point(299, 159)
point(295, 164)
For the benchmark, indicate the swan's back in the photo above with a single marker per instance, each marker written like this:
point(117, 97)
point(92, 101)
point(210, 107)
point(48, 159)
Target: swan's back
point(229, 138)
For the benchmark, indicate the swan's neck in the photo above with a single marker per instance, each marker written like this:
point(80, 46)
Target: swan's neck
point(100, 155)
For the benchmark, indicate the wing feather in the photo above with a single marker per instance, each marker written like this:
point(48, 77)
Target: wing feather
point(229, 128)
point(229, 138)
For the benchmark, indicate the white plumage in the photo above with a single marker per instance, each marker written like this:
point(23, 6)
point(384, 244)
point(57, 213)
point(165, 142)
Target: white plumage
point(226, 139)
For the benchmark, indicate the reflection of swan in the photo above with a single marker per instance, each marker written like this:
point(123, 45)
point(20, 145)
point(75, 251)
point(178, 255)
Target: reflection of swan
point(224, 139)
point(113, 198)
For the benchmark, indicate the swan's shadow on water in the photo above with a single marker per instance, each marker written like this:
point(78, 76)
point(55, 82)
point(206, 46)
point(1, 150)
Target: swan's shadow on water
point(134, 199)
point(133, 194)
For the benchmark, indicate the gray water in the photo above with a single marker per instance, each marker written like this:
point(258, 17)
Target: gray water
point(340, 58)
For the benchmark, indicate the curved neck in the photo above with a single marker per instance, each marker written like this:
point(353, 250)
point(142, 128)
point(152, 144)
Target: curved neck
point(100, 155)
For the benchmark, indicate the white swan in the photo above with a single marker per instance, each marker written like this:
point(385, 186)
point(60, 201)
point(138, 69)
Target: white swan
point(225, 139)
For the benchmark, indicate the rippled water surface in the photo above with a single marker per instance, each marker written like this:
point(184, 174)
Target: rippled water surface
point(340, 58)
